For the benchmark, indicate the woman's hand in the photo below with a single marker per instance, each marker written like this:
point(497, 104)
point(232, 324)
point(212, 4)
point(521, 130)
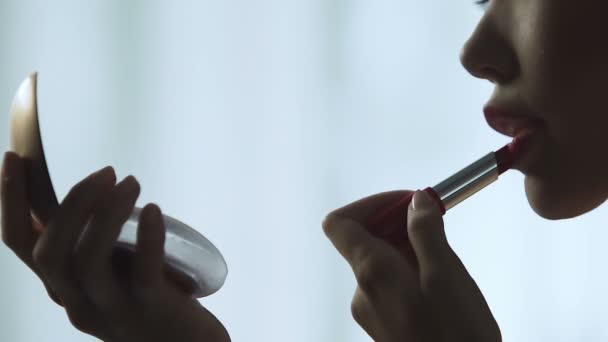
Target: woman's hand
point(73, 256)
point(394, 301)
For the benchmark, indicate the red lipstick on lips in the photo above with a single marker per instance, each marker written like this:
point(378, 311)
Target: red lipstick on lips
point(519, 127)
point(511, 125)
point(447, 193)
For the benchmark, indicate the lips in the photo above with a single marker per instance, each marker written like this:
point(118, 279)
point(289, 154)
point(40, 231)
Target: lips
point(510, 124)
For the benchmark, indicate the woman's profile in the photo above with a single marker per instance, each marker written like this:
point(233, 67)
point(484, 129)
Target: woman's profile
point(547, 62)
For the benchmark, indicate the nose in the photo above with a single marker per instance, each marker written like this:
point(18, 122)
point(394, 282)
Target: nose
point(489, 55)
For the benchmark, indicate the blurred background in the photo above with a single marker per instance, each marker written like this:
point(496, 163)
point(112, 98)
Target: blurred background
point(252, 119)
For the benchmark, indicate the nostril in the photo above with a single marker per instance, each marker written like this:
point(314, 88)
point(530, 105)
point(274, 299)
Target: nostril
point(489, 73)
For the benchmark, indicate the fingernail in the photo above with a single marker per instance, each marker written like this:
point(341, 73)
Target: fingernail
point(421, 200)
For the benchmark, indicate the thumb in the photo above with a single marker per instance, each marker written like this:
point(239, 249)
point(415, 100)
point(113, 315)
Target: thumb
point(426, 232)
point(460, 304)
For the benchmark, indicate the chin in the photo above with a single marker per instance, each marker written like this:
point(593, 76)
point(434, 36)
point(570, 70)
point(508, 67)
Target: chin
point(557, 200)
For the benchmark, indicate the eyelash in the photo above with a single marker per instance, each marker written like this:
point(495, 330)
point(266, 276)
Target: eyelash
point(482, 3)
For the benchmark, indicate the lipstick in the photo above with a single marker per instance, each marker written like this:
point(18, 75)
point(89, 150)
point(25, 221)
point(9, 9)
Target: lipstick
point(448, 193)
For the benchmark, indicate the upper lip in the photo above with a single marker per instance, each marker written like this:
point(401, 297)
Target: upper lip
point(510, 122)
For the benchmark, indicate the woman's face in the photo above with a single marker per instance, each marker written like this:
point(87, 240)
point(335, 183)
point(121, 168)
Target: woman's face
point(549, 59)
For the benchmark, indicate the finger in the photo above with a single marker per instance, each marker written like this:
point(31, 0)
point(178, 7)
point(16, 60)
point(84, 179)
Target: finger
point(54, 248)
point(93, 251)
point(149, 253)
point(18, 232)
point(39, 228)
point(444, 279)
point(392, 319)
point(206, 323)
point(363, 209)
point(349, 237)
point(376, 266)
point(364, 314)
point(426, 233)
point(383, 215)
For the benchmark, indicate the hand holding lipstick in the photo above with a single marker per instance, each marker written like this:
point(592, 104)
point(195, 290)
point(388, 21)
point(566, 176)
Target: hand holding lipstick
point(436, 300)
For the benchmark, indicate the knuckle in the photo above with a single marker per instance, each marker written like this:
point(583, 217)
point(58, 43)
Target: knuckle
point(43, 258)
point(328, 223)
point(373, 273)
point(54, 297)
point(358, 310)
point(333, 222)
point(80, 321)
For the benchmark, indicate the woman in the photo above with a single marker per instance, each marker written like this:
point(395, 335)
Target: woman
point(547, 61)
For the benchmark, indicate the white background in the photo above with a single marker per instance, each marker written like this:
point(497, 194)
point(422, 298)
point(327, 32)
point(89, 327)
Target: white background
point(251, 119)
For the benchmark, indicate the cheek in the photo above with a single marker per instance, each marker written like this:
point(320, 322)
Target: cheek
point(564, 77)
point(574, 156)
point(565, 72)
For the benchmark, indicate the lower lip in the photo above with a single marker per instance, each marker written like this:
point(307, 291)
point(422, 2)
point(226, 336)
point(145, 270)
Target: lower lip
point(521, 147)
